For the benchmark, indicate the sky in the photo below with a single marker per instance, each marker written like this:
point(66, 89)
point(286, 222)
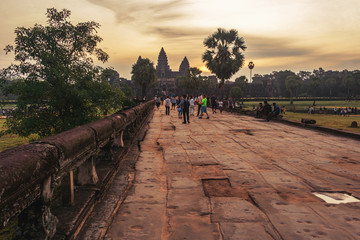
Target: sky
point(279, 34)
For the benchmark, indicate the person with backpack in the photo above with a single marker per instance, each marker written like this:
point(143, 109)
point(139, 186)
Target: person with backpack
point(185, 105)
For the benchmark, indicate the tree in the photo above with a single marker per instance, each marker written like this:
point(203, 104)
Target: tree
point(223, 56)
point(208, 85)
point(236, 93)
point(293, 84)
point(242, 83)
point(331, 83)
point(279, 81)
point(143, 74)
point(191, 82)
point(58, 87)
point(349, 82)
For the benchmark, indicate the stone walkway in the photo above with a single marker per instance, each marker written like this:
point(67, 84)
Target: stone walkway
point(237, 177)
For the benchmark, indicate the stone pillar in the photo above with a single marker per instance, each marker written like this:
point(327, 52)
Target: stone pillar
point(87, 173)
point(67, 189)
point(37, 221)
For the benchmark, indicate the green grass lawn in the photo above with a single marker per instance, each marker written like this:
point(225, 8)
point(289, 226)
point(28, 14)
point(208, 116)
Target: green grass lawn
point(328, 120)
point(9, 141)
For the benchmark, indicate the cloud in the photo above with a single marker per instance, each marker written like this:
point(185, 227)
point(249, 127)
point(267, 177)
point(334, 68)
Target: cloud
point(143, 12)
point(178, 32)
point(264, 47)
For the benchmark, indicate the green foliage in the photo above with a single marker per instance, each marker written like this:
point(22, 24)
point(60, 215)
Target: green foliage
point(223, 55)
point(143, 74)
point(293, 84)
point(191, 83)
point(208, 86)
point(236, 93)
point(57, 85)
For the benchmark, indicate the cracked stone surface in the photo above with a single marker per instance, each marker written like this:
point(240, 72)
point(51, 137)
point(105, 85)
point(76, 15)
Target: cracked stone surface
point(270, 171)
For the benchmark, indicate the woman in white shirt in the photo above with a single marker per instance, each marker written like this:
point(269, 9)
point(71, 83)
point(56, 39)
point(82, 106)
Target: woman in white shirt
point(192, 106)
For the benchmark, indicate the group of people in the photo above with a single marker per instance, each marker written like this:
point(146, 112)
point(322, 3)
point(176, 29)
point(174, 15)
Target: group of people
point(7, 112)
point(186, 105)
point(345, 111)
point(267, 111)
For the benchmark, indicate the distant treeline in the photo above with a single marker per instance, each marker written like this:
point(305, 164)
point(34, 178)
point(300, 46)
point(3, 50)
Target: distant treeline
point(319, 83)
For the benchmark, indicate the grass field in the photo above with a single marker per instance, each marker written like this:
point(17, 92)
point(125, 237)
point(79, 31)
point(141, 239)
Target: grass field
point(334, 121)
point(9, 141)
point(303, 105)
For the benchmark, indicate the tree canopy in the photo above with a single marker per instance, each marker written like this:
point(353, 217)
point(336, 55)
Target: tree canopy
point(143, 74)
point(191, 82)
point(57, 84)
point(223, 55)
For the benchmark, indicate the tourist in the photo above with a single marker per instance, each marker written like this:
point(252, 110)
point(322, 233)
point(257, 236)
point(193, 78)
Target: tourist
point(230, 104)
point(185, 104)
point(179, 108)
point(260, 111)
point(199, 101)
point(157, 102)
point(273, 113)
point(173, 103)
point(204, 108)
point(266, 109)
point(167, 105)
point(221, 104)
point(162, 101)
point(192, 106)
point(213, 103)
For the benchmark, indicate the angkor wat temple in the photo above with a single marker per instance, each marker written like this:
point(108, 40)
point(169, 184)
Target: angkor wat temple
point(165, 75)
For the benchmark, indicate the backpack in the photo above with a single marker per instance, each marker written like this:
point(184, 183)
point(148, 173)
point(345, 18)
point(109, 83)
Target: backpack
point(186, 104)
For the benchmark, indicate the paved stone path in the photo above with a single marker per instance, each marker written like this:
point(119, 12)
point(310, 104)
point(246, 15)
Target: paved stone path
point(236, 177)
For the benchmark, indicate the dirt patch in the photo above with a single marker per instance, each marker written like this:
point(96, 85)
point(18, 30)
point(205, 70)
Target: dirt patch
point(222, 188)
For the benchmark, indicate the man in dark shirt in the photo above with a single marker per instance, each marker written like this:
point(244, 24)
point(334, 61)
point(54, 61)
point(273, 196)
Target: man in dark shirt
point(266, 109)
point(185, 105)
point(274, 112)
point(213, 103)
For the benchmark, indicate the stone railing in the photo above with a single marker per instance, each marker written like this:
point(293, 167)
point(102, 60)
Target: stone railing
point(66, 171)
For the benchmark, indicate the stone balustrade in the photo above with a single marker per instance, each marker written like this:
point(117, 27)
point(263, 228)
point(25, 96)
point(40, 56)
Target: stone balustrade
point(32, 176)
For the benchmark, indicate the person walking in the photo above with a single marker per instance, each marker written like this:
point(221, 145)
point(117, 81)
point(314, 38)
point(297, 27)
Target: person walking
point(167, 105)
point(173, 103)
point(204, 108)
point(199, 100)
point(192, 106)
point(230, 104)
point(213, 103)
point(221, 104)
point(157, 102)
point(185, 105)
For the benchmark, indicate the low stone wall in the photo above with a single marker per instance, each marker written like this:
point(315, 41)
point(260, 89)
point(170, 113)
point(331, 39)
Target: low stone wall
point(30, 174)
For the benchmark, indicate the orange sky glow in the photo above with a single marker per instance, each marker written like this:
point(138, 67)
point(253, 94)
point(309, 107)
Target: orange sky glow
point(279, 35)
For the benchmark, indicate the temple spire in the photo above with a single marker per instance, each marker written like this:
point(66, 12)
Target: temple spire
point(184, 66)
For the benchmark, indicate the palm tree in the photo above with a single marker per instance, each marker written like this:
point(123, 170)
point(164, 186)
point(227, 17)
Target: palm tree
point(223, 56)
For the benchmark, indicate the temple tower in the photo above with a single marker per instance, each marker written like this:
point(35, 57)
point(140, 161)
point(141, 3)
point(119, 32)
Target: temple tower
point(162, 69)
point(184, 66)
